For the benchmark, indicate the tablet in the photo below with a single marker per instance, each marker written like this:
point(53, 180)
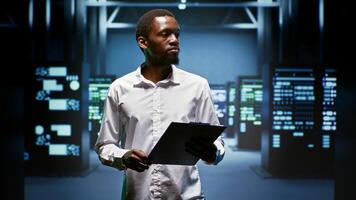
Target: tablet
point(170, 149)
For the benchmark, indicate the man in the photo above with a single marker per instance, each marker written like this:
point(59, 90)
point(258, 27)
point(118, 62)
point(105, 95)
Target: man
point(141, 105)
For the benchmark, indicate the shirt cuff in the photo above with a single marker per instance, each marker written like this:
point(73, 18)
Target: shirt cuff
point(220, 151)
point(113, 155)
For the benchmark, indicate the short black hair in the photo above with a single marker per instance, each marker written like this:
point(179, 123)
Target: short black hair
point(144, 23)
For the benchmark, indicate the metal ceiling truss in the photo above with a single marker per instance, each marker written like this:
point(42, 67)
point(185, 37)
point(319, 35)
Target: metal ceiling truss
point(253, 24)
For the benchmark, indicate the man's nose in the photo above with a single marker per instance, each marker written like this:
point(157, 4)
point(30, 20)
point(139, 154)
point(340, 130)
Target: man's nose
point(174, 39)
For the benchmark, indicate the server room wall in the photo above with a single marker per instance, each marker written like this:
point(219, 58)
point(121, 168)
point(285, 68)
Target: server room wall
point(218, 55)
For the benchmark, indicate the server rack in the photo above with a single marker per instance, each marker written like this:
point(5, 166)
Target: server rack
point(299, 134)
point(249, 117)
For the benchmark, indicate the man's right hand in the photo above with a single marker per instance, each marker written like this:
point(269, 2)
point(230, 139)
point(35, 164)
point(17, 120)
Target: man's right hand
point(136, 160)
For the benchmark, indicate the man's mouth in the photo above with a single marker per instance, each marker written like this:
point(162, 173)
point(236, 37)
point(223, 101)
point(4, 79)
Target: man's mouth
point(173, 50)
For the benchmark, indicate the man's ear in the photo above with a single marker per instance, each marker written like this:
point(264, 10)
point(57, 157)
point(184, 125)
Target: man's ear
point(142, 42)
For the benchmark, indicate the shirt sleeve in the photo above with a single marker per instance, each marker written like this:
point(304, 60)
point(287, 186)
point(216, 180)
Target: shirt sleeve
point(206, 114)
point(107, 144)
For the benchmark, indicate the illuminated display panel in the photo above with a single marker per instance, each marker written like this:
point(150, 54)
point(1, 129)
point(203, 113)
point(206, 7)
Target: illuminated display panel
point(303, 120)
point(219, 96)
point(329, 108)
point(98, 89)
point(54, 141)
point(250, 113)
point(231, 109)
point(294, 103)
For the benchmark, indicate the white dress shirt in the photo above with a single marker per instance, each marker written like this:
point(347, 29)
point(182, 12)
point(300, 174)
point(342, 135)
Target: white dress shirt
point(136, 114)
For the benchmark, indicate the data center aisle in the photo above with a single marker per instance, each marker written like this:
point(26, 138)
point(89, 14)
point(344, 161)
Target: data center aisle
point(232, 179)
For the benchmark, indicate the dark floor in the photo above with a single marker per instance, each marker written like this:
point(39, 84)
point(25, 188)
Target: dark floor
point(231, 179)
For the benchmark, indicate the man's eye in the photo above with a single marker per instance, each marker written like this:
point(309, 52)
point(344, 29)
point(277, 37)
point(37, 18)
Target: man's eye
point(165, 34)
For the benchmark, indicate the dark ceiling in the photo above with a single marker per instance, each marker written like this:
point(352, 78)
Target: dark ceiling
point(191, 16)
point(188, 1)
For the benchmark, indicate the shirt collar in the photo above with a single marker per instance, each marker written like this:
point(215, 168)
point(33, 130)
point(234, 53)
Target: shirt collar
point(172, 78)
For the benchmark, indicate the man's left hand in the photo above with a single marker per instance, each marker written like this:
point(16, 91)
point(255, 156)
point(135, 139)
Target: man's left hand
point(202, 149)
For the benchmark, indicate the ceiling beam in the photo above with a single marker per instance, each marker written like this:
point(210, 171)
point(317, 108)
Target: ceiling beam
point(93, 3)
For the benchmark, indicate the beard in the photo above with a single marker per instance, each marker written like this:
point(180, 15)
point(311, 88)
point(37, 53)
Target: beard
point(166, 60)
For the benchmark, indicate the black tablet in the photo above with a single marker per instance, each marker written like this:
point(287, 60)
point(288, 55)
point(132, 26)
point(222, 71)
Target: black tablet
point(170, 149)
